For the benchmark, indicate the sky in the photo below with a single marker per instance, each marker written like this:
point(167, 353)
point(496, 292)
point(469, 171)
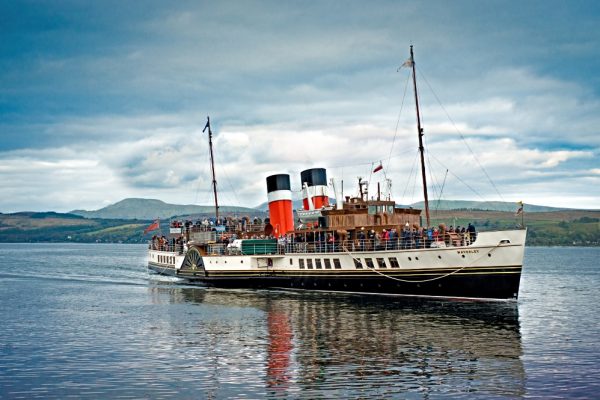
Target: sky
point(106, 100)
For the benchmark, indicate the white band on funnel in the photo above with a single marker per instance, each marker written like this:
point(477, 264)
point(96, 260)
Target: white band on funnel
point(277, 195)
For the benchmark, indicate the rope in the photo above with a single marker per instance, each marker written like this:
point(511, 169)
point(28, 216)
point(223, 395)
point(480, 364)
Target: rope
point(420, 281)
point(161, 272)
point(398, 120)
point(461, 136)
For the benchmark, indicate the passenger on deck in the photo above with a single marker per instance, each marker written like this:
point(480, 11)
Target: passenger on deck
point(330, 242)
point(377, 242)
point(361, 239)
point(393, 239)
point(435, 235)
point(416, 238)
point(385, 237)
point(371, 241)
point(472, 232)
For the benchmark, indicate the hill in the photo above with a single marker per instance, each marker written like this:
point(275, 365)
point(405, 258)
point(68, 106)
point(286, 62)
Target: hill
point(443, 205)
point(555, 228)
point(57, 227)
point(483, 205)
point(550, 228)
point(148, 209)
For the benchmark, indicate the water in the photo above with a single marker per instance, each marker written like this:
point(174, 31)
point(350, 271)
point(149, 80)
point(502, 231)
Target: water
point(87, 321)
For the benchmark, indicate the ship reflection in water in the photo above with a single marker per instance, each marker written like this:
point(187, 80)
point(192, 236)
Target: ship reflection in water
point(286, 344)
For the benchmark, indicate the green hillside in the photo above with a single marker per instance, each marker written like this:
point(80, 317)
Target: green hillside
point(482, 205)
point(56, 227)
point(148, 209)
point(556, 228)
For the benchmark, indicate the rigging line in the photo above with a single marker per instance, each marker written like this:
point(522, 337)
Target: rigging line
point(461, 135)
point(460, 180)
point(207, 192)
point(409, 176)
point(237, 200)
point(205, 163)
point(437, 207)
point(432, 177)
point(423, 280)
point(370, 176)
point(398, 120)
point(368, 162)
point(414, 188)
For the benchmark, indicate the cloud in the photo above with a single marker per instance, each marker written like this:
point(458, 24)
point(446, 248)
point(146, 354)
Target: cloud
point(97, 105)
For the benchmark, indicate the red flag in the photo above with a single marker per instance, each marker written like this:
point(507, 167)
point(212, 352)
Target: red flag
point(152, 227)
point(378, 168)
point(519, 211)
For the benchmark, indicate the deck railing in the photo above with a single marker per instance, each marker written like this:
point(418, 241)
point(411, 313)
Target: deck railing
point(357, 245)
point(176, 248)
point(219, 245)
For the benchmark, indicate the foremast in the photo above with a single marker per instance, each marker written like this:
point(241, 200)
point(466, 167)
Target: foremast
point(420, 134)
point(212, 166)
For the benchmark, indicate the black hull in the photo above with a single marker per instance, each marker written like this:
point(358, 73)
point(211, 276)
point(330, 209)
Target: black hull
point(501, 283)
point(160, 270)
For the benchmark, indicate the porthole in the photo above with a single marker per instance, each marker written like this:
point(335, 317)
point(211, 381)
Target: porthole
point(409, 259)
point(463, 256)
point(417, 258)
point(440, 257)
point(489, 254)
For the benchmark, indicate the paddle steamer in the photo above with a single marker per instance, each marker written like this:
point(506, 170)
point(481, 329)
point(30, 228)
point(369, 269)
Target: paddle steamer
point(358, 244)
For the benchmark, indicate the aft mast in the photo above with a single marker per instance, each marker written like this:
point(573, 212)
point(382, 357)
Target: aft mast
point(420, 133)
point(212, 165)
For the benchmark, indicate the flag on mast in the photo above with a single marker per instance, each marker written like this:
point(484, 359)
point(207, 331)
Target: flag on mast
point(378, 168)
point(152, 227)
point(408, 63)
point(520, 210)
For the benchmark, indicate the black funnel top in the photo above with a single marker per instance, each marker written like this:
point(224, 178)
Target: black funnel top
point(314, 177)
point(278, 182)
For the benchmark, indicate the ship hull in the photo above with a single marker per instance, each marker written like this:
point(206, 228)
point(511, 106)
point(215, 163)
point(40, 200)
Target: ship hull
point(490, 270)
point(501, 283)
point(162, 270)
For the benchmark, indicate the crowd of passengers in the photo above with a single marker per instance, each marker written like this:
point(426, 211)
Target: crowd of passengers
point(409, 237)
point(366, 240)
point(162, 243)
point(414, 237)
point(230, 224)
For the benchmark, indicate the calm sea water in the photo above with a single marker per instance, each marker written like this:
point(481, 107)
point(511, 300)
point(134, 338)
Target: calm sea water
point(87, 321)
